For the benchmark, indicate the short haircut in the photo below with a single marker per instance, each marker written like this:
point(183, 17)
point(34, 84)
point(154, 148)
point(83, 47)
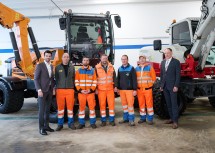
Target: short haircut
point(103, 55)
point(170, 49)
point(125, 56)
point(86, 57)
point(142, 56)
point(47, 52)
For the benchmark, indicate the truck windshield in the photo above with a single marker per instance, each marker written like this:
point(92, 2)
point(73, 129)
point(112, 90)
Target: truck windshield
point(89, 38)
point(181, 34)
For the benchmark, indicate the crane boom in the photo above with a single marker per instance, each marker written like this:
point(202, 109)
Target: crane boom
point(9, 18)
point(204, 36)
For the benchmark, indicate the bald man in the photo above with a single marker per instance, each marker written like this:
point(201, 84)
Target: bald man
point(65, 77)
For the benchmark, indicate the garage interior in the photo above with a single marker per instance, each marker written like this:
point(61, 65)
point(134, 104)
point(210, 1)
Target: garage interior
point(142, 22)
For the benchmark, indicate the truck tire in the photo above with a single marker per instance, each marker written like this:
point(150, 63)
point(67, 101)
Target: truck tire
point(160, 106)
point(10, 101)
point(212, 101)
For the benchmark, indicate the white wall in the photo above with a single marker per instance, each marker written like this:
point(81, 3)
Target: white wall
point(140, 23)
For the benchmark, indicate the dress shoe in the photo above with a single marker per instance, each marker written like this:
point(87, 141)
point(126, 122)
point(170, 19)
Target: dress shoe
point(123, 121)
point(80, 126)
point(131, 123)
point(112, 124)
point(60, 127)
point(72, 126)
point(103, 124)
point(175, 125)
point(168, 122)
point(150, 122)
point(43, 132)
point(141, 121)
point(49, 129)
point(93, 126)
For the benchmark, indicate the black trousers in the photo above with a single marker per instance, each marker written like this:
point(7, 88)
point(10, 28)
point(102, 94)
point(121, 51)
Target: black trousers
point(44, 109)
point(172, 104)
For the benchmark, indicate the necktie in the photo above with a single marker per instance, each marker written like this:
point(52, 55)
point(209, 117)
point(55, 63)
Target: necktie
point(166, 64)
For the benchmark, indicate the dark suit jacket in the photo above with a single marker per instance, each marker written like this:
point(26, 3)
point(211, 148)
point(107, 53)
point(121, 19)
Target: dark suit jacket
point(41, 77)
point(171, 77)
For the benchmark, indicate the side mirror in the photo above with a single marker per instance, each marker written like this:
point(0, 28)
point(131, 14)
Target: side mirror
point(62, 23)
point(117, 21)
point(157, 45)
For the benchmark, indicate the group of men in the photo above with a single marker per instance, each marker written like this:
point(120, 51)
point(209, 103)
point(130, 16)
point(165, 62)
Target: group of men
point(102, 80)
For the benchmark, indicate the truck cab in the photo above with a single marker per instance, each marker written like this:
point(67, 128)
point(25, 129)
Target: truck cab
point(89, 35)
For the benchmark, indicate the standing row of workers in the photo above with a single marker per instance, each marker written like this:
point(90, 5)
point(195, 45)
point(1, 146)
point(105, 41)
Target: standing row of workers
point(100, 80)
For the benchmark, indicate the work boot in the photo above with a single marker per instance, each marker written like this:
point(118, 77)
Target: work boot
point(131, 123)
point(150, 122)
point(112, 123)
point(72, 126)
point(175, 125)
point(80, 126)
point(123, 121)
point(141, 121)
point(103, 124)
point(93, 126)
point(168, 122)
point(60, 127)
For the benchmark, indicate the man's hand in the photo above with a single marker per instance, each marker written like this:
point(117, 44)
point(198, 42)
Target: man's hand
point(134, 93)
point(88, 91)
point(84, 91)
point(96, 91)
point(175, 89)
point(40, 94)
point(161, 89)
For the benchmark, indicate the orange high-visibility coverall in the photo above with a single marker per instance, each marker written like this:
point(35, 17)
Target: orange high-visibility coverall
point(85, 79)
point(145, 78)
point(105, 85)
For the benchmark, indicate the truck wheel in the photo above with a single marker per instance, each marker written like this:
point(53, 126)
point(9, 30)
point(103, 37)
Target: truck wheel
point(10, 101)
point(160, 106)
point(53, 111)
point(212, 101)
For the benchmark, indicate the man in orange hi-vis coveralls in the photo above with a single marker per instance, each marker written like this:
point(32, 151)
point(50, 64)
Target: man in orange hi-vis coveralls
point(85, 82)
point(145, 79)
point(106, 82)
point(65, 77)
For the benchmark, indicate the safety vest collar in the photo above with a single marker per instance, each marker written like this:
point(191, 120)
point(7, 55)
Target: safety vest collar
point(124, 67)
point(100, 65)
point(88, 67)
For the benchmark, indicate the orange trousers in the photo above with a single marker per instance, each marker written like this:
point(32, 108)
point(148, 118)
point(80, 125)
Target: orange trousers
point(108, 95)
point(65, 96)
point(145, 99)
point(83, 99)
point(127, 100)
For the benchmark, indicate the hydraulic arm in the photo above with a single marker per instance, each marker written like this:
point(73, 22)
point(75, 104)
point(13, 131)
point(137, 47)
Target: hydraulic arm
point(9, 18)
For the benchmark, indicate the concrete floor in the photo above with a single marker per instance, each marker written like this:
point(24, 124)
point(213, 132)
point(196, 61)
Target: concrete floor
point(19, 134)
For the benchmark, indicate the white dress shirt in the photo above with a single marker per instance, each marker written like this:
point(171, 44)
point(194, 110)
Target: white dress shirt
point(48, 65)
point(167, 63)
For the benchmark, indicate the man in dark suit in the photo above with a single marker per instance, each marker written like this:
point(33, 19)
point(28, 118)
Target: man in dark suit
point(170, 80)
point(44, 83)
